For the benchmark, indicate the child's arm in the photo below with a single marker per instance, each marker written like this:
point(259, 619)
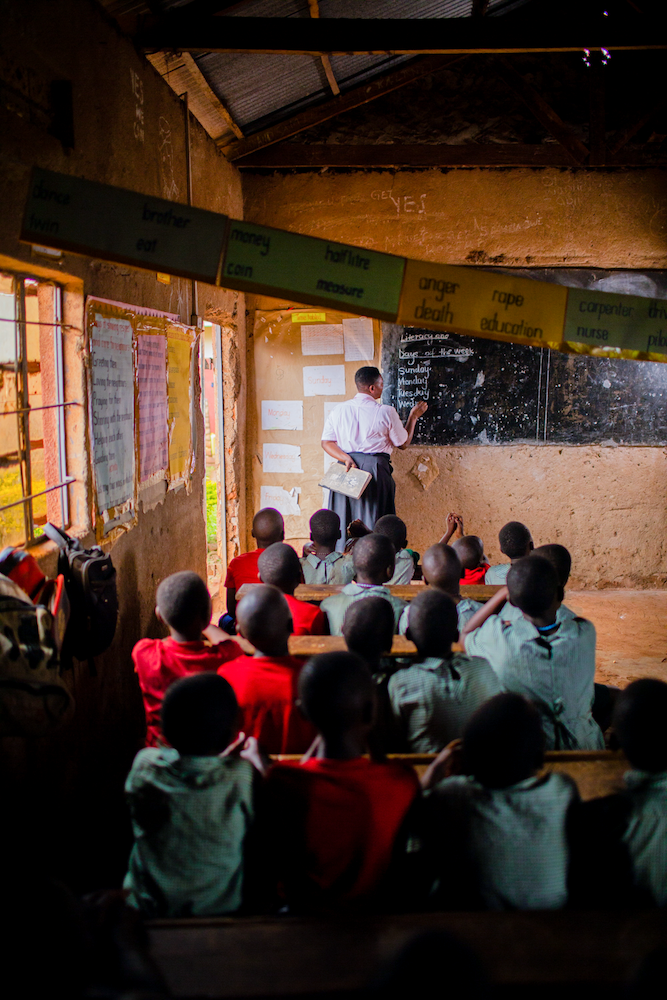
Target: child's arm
point(231, 602)
point(454, 521)
point(215, 634)
point(447, 762)
point(249, 749)
point(491, 607)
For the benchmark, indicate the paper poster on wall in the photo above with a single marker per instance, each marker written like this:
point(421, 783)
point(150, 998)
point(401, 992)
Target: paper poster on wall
point(112, 407)
point(324, 380)
point(282, 500)
point(179, 344)
point(152, 400)
point(358, 335)
point(281, 458)
point(282, 415)
point(322, 338)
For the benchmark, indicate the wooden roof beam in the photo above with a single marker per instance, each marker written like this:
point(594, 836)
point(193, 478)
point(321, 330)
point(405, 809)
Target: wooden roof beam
point(326, 62)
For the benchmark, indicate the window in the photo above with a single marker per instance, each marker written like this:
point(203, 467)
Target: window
point(33, 473)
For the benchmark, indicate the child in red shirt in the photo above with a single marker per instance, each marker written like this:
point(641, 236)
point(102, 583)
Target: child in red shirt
point(332, 821)
point(279, 566)
point(265, 684)
point(470, 550)
point(267, 527)
point(194, 645)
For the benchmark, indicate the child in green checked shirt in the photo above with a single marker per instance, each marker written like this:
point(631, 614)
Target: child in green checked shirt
point(192, 805)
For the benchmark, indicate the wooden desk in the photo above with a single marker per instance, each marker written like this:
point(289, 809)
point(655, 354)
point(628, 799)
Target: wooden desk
point(315, 593)
point(311, 645)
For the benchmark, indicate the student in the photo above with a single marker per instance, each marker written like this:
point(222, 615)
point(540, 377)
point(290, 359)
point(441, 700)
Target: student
point(561, 561)
point(333, 820)
point(323, 564)
point(443, 571)
point(265, 684)
point(505, 826)
point(268, 527)
point(183, 604)
point(279, 566)
point(191, 806)
point(515, 543)
point(373, 560)
point(470, 550)
point(433, 698)
point(368, 630)
point(629, 829)
point(395, 530)
point(551, 662)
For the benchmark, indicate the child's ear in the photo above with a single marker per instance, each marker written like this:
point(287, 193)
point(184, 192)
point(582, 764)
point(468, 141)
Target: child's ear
point(560, 593)
point(390, 572)
point(158, 615)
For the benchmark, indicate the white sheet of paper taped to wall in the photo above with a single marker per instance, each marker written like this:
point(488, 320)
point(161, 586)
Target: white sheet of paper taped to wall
point(282, 415)
point(280, 499)
point(358, 335)
point(324, 338)
point(324, 380)
point(281, 458)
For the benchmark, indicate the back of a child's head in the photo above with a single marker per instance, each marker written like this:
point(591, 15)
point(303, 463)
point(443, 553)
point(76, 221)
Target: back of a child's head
point(515, 540)
point(373, 556)
point(503, 742)
point(325, 528)
point(470, 550)
point(263, 617)
point(533, 585)
point(337, 693)
point(268, 527)
point(442, 568)
point(279, 566)
point(394, 528)
point(560, 559)
point(640, 724)
point(368, 628)
point(433, 623)
point(199, 715)
point(183, 600)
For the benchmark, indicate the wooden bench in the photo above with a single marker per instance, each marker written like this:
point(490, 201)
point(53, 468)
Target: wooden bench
point(253, 957)
point(315, 593)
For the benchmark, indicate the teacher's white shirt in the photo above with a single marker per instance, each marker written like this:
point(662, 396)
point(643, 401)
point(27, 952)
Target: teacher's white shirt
point(365, 425)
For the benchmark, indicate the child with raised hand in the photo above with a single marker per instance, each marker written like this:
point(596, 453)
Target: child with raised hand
point(373, 559)
point(443, 571)
point(268, 527)
point(265, 684)
point(515, 543)
point(561, 561)
point(183, 604)
point(368, 630)
point(470, 550)
point(192, 806)
point(549, 661)
point(433, 698)
point(321, 563)
point(395, 530)
point(279, 566)
point(333, 820)
point(505, 826)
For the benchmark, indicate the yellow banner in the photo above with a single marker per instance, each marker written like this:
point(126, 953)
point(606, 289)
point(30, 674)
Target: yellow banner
point(179, 344)
point(493, 305)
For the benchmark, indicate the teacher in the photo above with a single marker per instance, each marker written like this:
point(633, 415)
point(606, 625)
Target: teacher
point(362, 433)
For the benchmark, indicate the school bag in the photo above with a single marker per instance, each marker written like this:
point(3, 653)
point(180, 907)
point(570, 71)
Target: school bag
point(33, 698)
point(90, 581)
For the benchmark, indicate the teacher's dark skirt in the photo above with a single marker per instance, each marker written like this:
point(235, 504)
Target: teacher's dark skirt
point(376, 500)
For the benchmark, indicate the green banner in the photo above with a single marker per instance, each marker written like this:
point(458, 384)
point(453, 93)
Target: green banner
point(612, 323)
point(306, 269)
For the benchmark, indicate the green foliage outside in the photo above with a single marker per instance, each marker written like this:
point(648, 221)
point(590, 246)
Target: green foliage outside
point(12, 529)
point(211, 511)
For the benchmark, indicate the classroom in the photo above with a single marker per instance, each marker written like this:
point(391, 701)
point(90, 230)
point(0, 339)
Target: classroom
point(214, 214)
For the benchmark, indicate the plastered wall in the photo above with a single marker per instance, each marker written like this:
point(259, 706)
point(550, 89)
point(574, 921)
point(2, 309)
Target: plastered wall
point(606, 504)
point(129, 130)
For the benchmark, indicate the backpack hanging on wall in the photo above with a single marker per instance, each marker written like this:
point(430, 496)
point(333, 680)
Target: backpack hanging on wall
point(90, 580)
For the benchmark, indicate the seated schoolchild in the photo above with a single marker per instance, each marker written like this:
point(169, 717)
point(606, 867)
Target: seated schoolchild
point(504, 825)
point(279, 566)
point(373, 560)
point(443, 571)
point(265, 684)
point(191, 806)
point(333, 821)
point(628, 830)
point(515, 543)
point(323, 564)
point(433, 699)
point(561, 560)
point(183, 604)
point(550, 662)
point(470, 550)
point(267, 527)
point(368, 630)
point(395, 530)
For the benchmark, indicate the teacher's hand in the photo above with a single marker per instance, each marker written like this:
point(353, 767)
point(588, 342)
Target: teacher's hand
point(418, 410)
point(350, 463)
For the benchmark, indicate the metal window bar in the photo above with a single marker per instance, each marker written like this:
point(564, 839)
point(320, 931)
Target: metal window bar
point(59, 373)
point(23, 418)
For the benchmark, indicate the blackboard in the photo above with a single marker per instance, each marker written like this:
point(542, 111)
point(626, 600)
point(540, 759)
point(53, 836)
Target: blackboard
point(485, 392)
